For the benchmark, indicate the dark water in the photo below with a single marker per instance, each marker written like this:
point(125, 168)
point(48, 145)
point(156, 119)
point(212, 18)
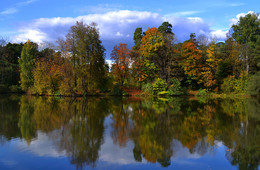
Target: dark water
point(114, 133)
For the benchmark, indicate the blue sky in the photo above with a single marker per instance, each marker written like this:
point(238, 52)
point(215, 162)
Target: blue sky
point(46, 20)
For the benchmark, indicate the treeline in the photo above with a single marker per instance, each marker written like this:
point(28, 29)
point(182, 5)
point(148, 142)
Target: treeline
point(156, 63)
point(160, 66)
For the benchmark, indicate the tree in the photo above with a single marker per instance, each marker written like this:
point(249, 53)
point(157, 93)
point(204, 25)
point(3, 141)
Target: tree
point(191, 61)
point(9, 55)
point(166, 52)
point(27, 65)
point(135, 56)
point(151, 43)
point(246, 32)
point(210, 68)
point(120, 56)
point(83, 47)
point(47, 75)
point(138, 35)
point(165, 29)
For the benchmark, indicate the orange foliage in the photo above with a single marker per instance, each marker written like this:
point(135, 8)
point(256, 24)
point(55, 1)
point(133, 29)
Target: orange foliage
point(121, 57)
point(191, 60)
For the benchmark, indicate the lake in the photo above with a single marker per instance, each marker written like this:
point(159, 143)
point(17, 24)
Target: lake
point(129, 133)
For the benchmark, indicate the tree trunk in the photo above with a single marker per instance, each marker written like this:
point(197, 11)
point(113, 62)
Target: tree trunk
point(247, 64)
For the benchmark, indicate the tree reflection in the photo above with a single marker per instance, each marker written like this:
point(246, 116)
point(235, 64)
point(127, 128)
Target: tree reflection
point(80, 125)
point(9, 116)
point(26, 120)
point(76, 126)
point(198, 125)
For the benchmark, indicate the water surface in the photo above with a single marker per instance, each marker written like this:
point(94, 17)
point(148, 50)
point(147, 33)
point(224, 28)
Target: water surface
point(128, 133)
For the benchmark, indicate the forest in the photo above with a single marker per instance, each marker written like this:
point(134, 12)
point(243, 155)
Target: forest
point(157, 64)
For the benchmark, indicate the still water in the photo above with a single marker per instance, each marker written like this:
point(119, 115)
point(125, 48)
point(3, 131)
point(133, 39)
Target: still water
point(129, 133)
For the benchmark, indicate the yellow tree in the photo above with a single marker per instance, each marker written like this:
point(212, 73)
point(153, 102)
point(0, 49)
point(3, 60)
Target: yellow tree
point(210, 67)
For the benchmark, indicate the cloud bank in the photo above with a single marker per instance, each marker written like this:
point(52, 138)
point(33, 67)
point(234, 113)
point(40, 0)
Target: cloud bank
point(114, 26)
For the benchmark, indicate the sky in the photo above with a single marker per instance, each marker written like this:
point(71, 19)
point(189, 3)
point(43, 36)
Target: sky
point(44, 21)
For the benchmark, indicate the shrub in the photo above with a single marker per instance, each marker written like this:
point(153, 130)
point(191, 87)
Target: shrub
point(235, 85)
point(228, 84)
point(159, 85)
point(253, 87)
point(147, 88)
point(176, 89)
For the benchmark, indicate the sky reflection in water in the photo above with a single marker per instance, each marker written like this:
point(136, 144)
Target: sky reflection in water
point(114, 133)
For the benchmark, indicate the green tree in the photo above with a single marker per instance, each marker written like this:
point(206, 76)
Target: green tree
point(166, 54)
point(246, 32)
point(9, 55)
point(138, 35)
point(83, 46)
point(27, 65)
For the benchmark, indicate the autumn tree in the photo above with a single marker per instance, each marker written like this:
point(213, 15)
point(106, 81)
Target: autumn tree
point(191, 61)
point(151, 43)
point(210, 67)
point(121, 57)
point(27, 65)
point(47, 75)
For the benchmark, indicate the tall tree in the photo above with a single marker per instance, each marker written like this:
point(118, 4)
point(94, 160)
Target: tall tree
point(191, 61)
point(84, 48)
point(151, 43)
point(167, 52)
point(135, 55)
point(210, 67)
point(27, 65)
point(121, 57)
point(138, 35)
point(247, 32)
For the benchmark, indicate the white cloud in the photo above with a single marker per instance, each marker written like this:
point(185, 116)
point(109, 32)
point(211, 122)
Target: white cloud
point(115, 27)
point(42, 146)
point(9, 11)
point(219, 34)
point(119, 34)
point(32, 35)
point(113, 154)
point(120, 23)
